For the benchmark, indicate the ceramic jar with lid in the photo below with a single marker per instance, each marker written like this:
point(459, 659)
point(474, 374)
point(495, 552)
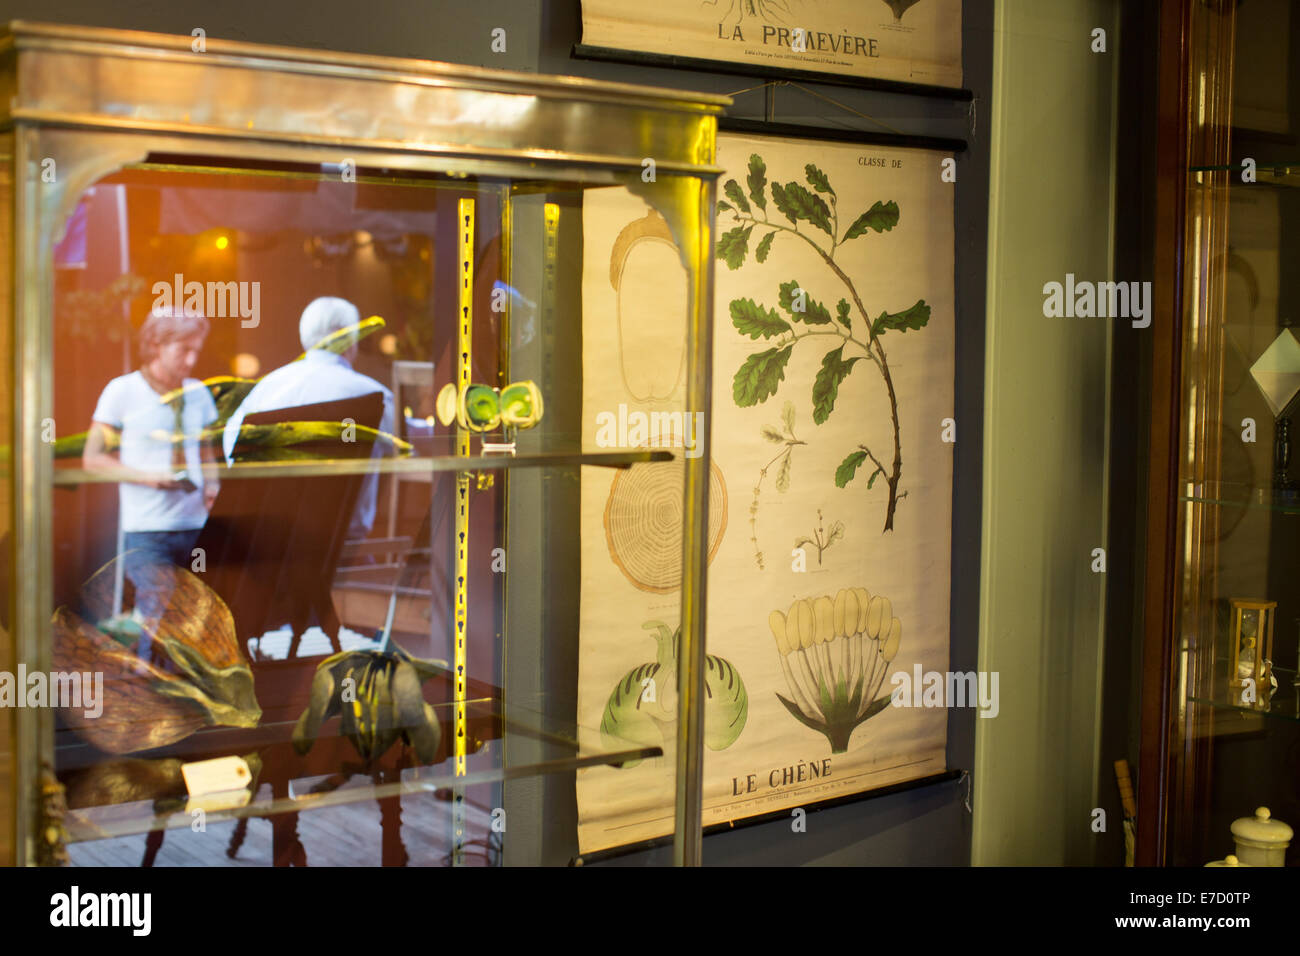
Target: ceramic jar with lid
point(1261, 840)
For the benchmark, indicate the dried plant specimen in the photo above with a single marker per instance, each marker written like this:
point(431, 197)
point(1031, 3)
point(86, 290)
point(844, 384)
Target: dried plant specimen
point(197, 676)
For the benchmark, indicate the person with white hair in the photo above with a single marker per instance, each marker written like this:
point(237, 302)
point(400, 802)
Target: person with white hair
point(146, 429)
point(322, 375)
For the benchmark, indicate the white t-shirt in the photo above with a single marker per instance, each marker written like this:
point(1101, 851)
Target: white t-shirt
point(321, 376)
point(129, 404)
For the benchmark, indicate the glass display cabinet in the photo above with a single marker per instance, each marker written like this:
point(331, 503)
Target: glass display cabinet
point(296, 432)
point(1221, 728)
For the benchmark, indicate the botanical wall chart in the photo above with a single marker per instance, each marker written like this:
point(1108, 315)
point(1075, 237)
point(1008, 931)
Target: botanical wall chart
point(831, 499)
point(914, 41)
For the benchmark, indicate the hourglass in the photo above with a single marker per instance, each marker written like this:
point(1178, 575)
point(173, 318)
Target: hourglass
point(1252, 650)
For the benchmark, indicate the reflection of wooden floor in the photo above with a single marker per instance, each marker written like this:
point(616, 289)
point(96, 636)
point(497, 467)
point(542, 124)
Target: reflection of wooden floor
point(332, 836)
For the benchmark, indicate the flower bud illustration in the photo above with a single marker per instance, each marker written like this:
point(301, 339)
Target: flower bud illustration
point(834, 653)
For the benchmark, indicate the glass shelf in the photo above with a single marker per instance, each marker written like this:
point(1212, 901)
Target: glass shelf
point(414, 465)
point(1239, 495)
point(1283, 705)
point(308, 784)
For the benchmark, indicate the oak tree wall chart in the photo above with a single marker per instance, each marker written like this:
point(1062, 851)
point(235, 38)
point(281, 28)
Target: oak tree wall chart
point(832, 404)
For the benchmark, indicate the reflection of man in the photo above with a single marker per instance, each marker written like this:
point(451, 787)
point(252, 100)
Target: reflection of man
point(321, 376)
point(153, 418)
point(164, 497)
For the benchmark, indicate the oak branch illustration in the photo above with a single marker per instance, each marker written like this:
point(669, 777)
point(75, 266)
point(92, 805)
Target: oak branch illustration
point(762, 373)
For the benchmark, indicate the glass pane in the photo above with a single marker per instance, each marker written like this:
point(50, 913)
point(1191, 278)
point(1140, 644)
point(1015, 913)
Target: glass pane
point(267, 550)
point(1239, 624)
point(8, 652)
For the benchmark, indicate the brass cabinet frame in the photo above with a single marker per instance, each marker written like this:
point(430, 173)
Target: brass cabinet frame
point(1194, 121)
point(95, 101)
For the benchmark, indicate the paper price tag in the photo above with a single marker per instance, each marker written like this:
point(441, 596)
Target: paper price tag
point(215, 776)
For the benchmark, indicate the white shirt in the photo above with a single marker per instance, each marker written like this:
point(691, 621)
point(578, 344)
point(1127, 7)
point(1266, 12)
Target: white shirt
point(320, 377)
point(129, 404)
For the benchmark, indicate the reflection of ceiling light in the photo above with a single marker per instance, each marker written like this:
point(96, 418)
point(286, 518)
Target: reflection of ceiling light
point(1277, 372)
point(245, 365)
point(394, 247)
point(330, 247)
point(493, 110)
point(222, 242)
point(362, 237)
point(388, 346)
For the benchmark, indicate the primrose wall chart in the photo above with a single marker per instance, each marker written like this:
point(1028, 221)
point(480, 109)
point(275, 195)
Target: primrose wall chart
point(912, 41)
point(831, 428)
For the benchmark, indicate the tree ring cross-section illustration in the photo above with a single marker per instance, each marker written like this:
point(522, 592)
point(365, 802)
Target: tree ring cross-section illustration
point(643, 521)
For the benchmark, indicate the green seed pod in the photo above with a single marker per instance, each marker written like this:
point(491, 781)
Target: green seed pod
point(481, 407)
point(521, 404)
point(776, 621)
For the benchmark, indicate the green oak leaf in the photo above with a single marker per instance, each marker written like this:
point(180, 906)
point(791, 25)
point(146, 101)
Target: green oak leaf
point(760, 375)
point(818, 179)
point(783, 204)
point(848, 468)
point(881, 217)
point(764, 246)
point(798, 203)
point(842, 313)
point(827, 384)
point(733, 245)
point(814, 313)
point(753, 320)
point(724, 206)
point(757, 179)
point(914, 318)
point(734, 193)
point(872, 480)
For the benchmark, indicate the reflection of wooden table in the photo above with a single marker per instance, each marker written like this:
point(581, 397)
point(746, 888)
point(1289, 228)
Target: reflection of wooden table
point(361, 602)
point(361, 592)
